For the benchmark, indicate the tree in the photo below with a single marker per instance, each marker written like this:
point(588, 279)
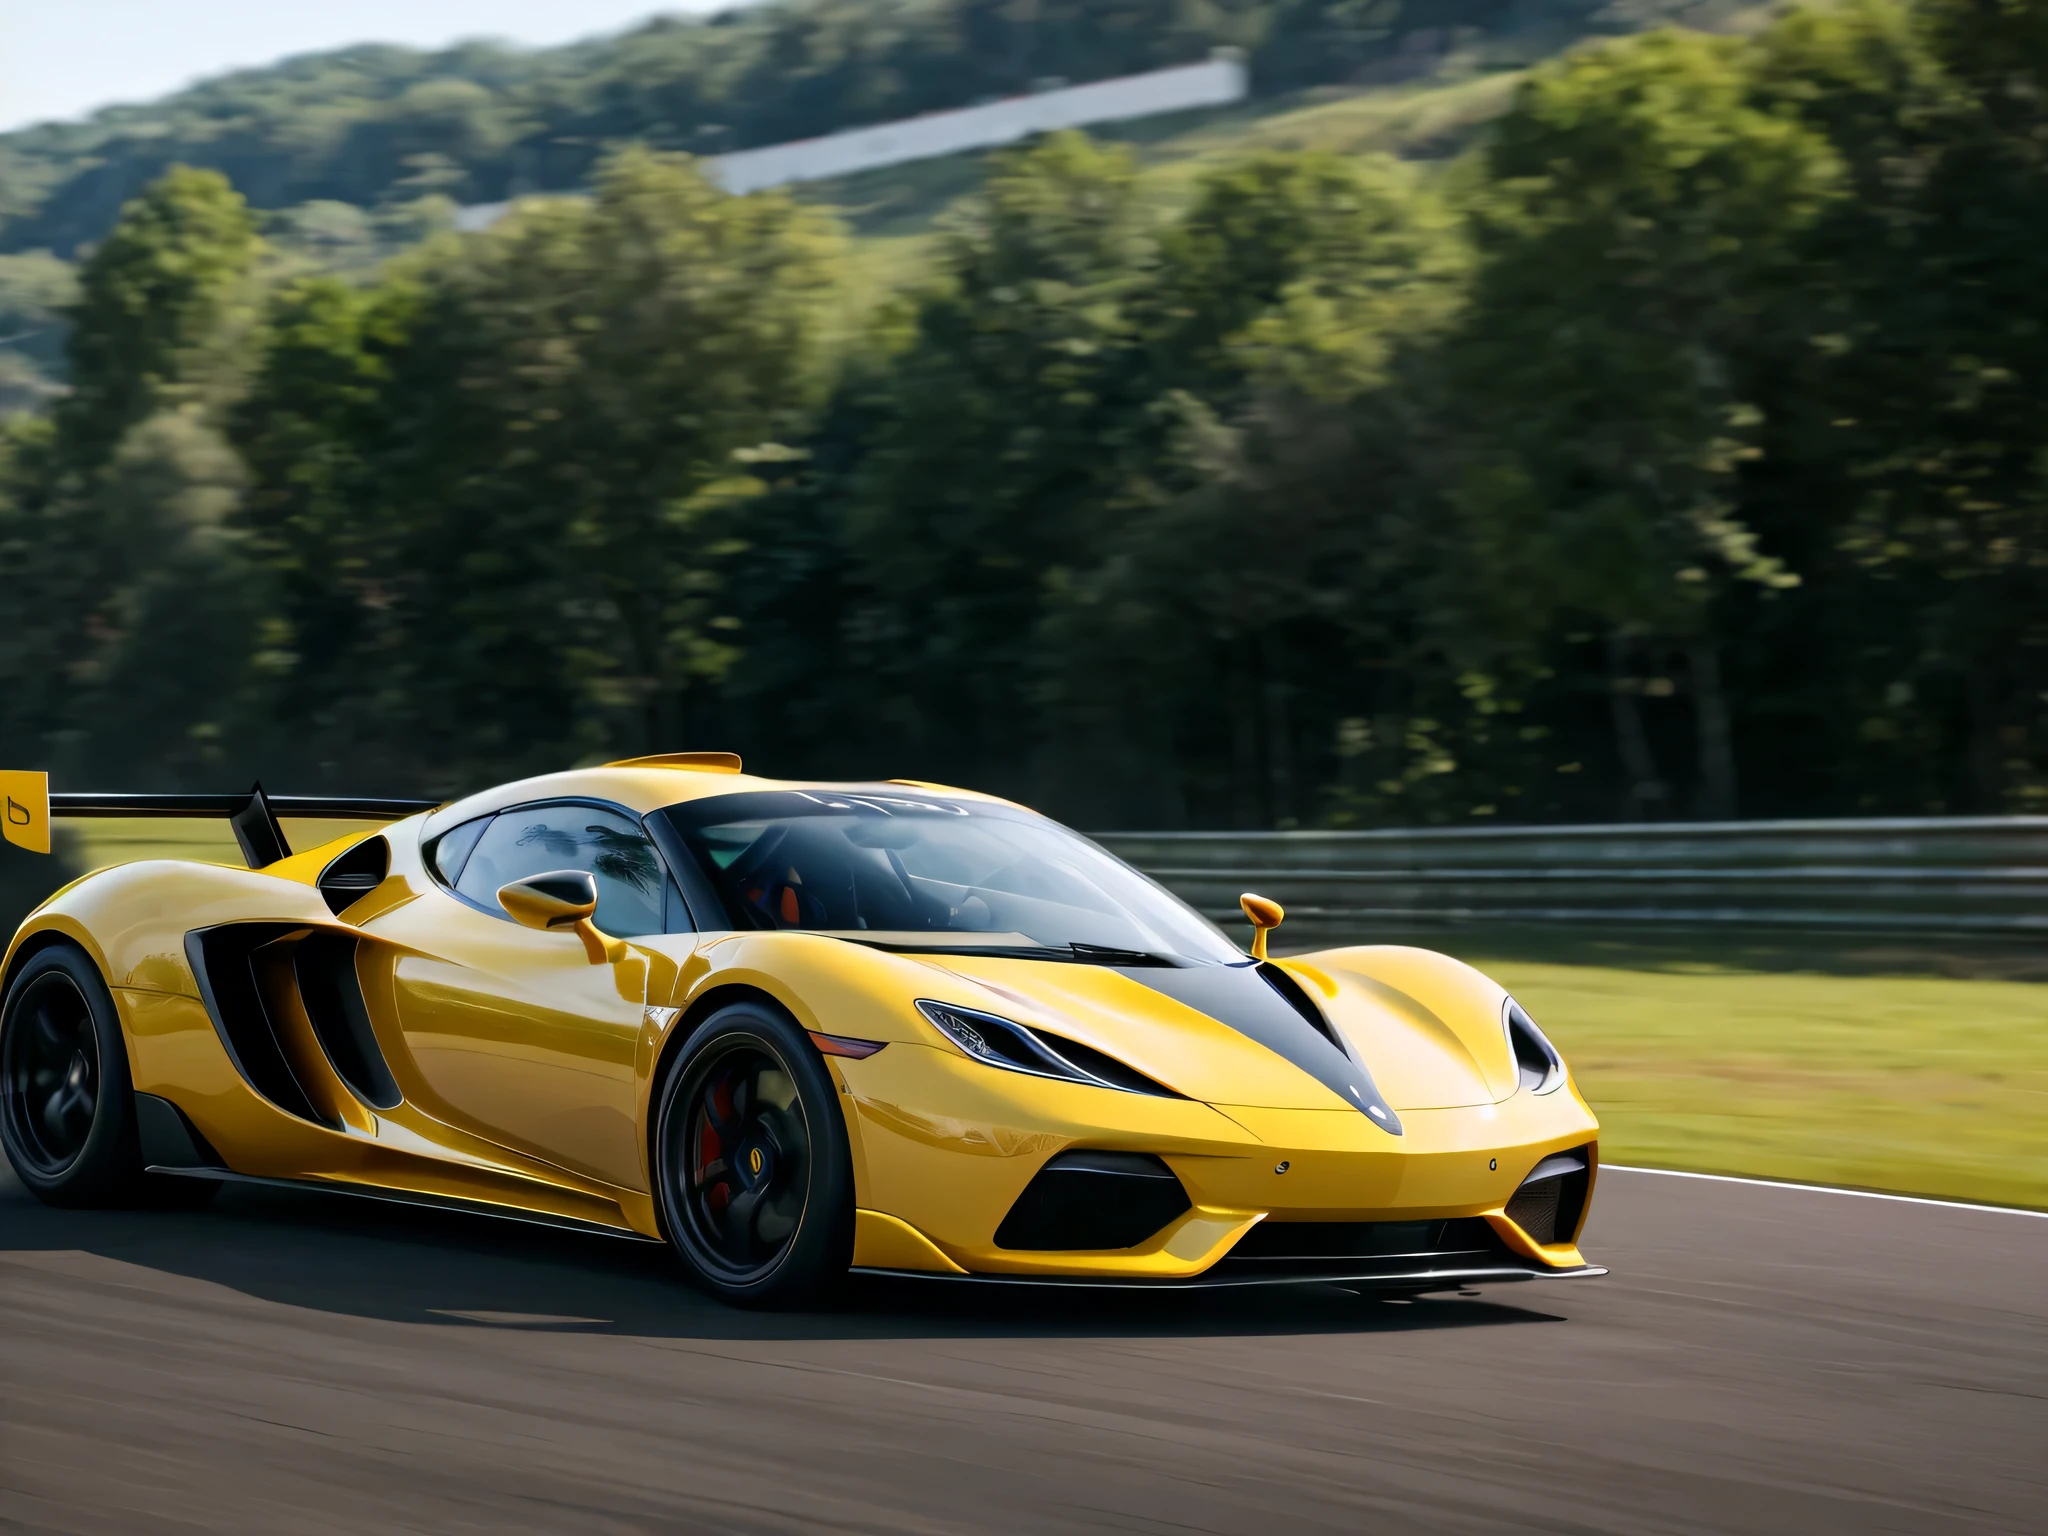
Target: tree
point(1263, 578)
point(1638, 217)
point(996, 446)
point(119, 573)
point(510, 470)
point(35, 289)
point(151, 299)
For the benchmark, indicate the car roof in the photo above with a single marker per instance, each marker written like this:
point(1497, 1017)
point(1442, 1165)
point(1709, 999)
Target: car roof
point(647, 784)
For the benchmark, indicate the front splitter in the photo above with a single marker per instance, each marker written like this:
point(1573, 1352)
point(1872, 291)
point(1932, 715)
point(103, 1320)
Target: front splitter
point(1414, 1280)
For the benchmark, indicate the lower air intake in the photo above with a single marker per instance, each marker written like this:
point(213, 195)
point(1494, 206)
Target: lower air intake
point(1553, 1198)
point(1093, 1201)
point(1534, 1210)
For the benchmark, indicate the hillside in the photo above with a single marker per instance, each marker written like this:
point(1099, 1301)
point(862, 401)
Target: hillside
point(373, 124)
point(355, 153)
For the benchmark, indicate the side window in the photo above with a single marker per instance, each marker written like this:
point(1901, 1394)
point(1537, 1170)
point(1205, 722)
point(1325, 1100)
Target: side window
point(532, 840)
point(452, 848)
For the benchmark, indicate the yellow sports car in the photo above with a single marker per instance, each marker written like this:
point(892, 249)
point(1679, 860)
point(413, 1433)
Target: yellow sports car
point(793, 1030)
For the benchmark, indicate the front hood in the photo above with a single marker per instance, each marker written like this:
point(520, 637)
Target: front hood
point(1221, 1034)
point(1429, 1025)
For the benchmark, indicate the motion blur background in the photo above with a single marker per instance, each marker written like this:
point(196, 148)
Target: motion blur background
point(1518, 411)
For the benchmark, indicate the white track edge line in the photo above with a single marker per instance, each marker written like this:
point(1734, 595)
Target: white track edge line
point(1827, 1189)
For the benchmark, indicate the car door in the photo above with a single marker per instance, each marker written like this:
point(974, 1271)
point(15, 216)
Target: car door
point(515, 1033)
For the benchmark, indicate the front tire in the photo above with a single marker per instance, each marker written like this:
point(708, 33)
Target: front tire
point(67, 1111)
point(752, 1169)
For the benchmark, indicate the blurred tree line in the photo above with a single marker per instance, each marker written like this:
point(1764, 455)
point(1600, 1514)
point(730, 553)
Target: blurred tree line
point(1678, 451)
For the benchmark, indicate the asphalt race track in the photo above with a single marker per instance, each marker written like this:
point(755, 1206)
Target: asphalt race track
point(1760, 1360)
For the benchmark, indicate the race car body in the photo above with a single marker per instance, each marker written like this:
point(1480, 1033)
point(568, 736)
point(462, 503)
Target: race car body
point(792, 1029)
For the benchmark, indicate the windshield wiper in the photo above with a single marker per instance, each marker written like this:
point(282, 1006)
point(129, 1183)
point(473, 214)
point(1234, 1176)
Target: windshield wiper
point(1068, 954)
point(1105, 954)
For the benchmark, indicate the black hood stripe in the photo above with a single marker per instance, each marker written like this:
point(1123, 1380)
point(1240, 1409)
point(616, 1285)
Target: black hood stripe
point(1239, 997)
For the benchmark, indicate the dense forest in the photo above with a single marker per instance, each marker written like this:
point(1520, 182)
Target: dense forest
point(1676, 450)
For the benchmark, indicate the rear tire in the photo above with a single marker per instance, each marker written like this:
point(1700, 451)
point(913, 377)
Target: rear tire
point(67, 1110)
point(752, 1171)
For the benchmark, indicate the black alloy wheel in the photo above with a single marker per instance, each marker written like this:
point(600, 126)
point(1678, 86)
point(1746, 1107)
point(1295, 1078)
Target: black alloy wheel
point(53, 1073)
point(67, 1116)
point(755, 1179)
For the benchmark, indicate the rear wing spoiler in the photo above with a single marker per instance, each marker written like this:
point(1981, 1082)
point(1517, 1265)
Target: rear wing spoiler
point(253, 817)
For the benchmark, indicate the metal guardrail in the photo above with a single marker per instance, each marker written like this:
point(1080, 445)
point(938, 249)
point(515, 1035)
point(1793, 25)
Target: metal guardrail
point(1982, 876)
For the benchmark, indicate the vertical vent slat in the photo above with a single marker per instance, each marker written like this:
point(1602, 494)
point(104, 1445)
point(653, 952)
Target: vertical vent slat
point(223, 963)
point(325, 967)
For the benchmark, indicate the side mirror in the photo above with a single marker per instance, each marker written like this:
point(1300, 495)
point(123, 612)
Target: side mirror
point(562, 898)
point(1265, 915)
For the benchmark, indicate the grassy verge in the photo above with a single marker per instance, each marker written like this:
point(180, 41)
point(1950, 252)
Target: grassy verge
point(1916, 1084)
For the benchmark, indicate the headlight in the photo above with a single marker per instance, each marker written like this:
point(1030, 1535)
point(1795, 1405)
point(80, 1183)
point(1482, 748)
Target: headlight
point(1536, 1059)
point(1015, 1047)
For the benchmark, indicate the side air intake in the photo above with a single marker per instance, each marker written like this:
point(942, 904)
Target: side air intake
point(1553, 1198)
point(224, 964)
point(289, 1008)
point(354, 874)
point(324, 966)
point(1093, 1201)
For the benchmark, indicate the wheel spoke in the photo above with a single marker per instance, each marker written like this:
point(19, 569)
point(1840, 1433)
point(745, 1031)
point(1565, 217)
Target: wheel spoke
point(53, 1040)
point(776, 1217)
point(51, 1073)
point(787, 1127)
point(739, 1227)
point(726, 1120)
point(726, 1125)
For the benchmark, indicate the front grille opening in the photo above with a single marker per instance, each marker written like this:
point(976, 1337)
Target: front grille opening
point(1551, 1201)
point(1388, 1252)
point(1092, 1201)
point(1285, 1241)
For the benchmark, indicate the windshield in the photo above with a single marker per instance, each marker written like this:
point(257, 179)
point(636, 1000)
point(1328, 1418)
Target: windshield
point(912, 871)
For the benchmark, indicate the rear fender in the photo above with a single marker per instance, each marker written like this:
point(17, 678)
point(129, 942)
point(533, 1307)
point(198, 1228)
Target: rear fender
point(132, 919)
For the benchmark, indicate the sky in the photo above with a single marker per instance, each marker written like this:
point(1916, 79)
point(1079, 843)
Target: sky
point(66, 58)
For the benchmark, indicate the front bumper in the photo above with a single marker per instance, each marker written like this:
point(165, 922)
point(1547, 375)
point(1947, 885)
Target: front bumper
point(934, 1187)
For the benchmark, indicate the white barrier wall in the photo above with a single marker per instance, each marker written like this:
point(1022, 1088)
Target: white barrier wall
point(1217, 83)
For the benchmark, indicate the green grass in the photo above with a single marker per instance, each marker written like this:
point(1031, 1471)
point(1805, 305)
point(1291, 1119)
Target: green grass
point(1916, 1084)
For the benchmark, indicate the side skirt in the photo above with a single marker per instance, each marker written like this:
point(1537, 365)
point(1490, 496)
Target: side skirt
point(409, 1197)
